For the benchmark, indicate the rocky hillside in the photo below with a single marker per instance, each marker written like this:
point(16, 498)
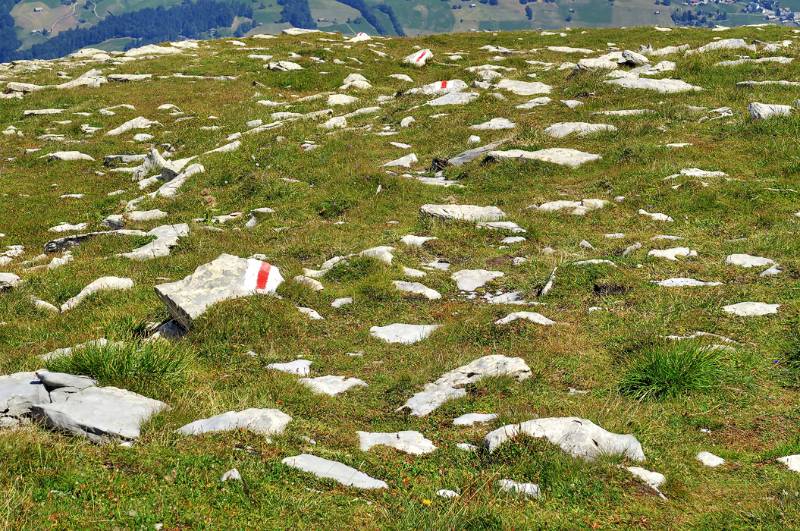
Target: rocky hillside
point(511, 280)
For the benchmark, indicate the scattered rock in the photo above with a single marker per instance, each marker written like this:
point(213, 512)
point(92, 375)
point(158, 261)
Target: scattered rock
point(227, 277)
point(710, 460)
point(751, 309)
point(261, 421)
point(451, 384)
point(410, 442)
point(327, 469)
point(577, 437)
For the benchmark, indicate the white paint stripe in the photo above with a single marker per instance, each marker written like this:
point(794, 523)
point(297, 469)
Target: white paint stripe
point(251, 274)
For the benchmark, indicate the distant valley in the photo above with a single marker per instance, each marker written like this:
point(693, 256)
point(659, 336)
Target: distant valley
point(32, 29)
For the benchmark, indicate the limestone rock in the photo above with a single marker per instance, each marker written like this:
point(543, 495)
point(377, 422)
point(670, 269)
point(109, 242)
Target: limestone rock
point(454, 98)
point(751, 309)
point(261, 421)
point(410, 442)
point(100, 413)
point(166, 237)
point(451, 384)
point(576, 208)
point(404, 162)
point(530, 490)
point(562, 129)
point(524, 88)
point(8, 281)
point(673, 253)
point(101, 284)
point(299, 367)
point(226, 277)
point(332, 385)
point(682, 282)
point(327, 469)
point(69, 156)
point(494, 124)
point(762, 111)
point(748, 261)
point(663, 86)
point(472, 279)
point(533, 317)
point(563, 156)
point(792, 462)
point(419, 58)
point(463, 212)
point(137, 123)
point(470, 419)
point(405, 334)
point(652, 479)
point(710, 460)
point(417, 288)
point(577, 437)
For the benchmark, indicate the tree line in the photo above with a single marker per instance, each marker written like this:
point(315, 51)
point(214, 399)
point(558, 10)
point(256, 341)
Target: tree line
point(8, 33)
point(145, 26)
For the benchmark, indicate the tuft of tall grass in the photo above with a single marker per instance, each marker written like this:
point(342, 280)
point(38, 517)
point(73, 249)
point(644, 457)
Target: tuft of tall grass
point(673, 370)
point(141, 367)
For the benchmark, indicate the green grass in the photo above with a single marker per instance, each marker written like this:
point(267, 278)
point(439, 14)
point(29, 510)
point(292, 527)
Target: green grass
point(748, 414)
point(141, 367)
point(672, 371)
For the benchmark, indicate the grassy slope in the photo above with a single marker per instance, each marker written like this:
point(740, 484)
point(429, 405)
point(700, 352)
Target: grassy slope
point(53, 480)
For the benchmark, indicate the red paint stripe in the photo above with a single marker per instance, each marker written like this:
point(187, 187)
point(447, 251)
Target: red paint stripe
point(263, 276)
point(444, 84)
point(420, 56)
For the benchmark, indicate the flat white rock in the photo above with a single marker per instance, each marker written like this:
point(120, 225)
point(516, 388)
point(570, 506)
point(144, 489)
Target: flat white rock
point(524, 88)
point(562, 129)
point(530, 490)
point(748, 261)
point(672, 253)
point(472, 279)
point(494, 124)
point(404, 162)
point(577, 437)
point(226, 277)
point(682, 282)
point(653, 479)
point(792, 462)
point(655, 216)
point(762, 111)
point(417, 288)
point(470, 419)
point(562, 156)
point(416, 241)
point(410, 442)
point(751, 309)
point(533, 317)
point(663, 86)
point(709, 459)
point(261, 421)
point(342, 301)
point(100, 413)
point(405, 334)
point(463, 212)
point(100, 284)
point(327, 469)
point(332, 385)
point(451, 384)
point(454, 98)
point(299, 367)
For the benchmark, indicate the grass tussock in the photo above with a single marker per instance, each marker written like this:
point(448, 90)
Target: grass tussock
point(142, 367)
point(672, 371)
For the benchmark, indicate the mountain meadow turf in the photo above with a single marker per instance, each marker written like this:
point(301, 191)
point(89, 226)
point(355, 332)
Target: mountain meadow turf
point(737, 399)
